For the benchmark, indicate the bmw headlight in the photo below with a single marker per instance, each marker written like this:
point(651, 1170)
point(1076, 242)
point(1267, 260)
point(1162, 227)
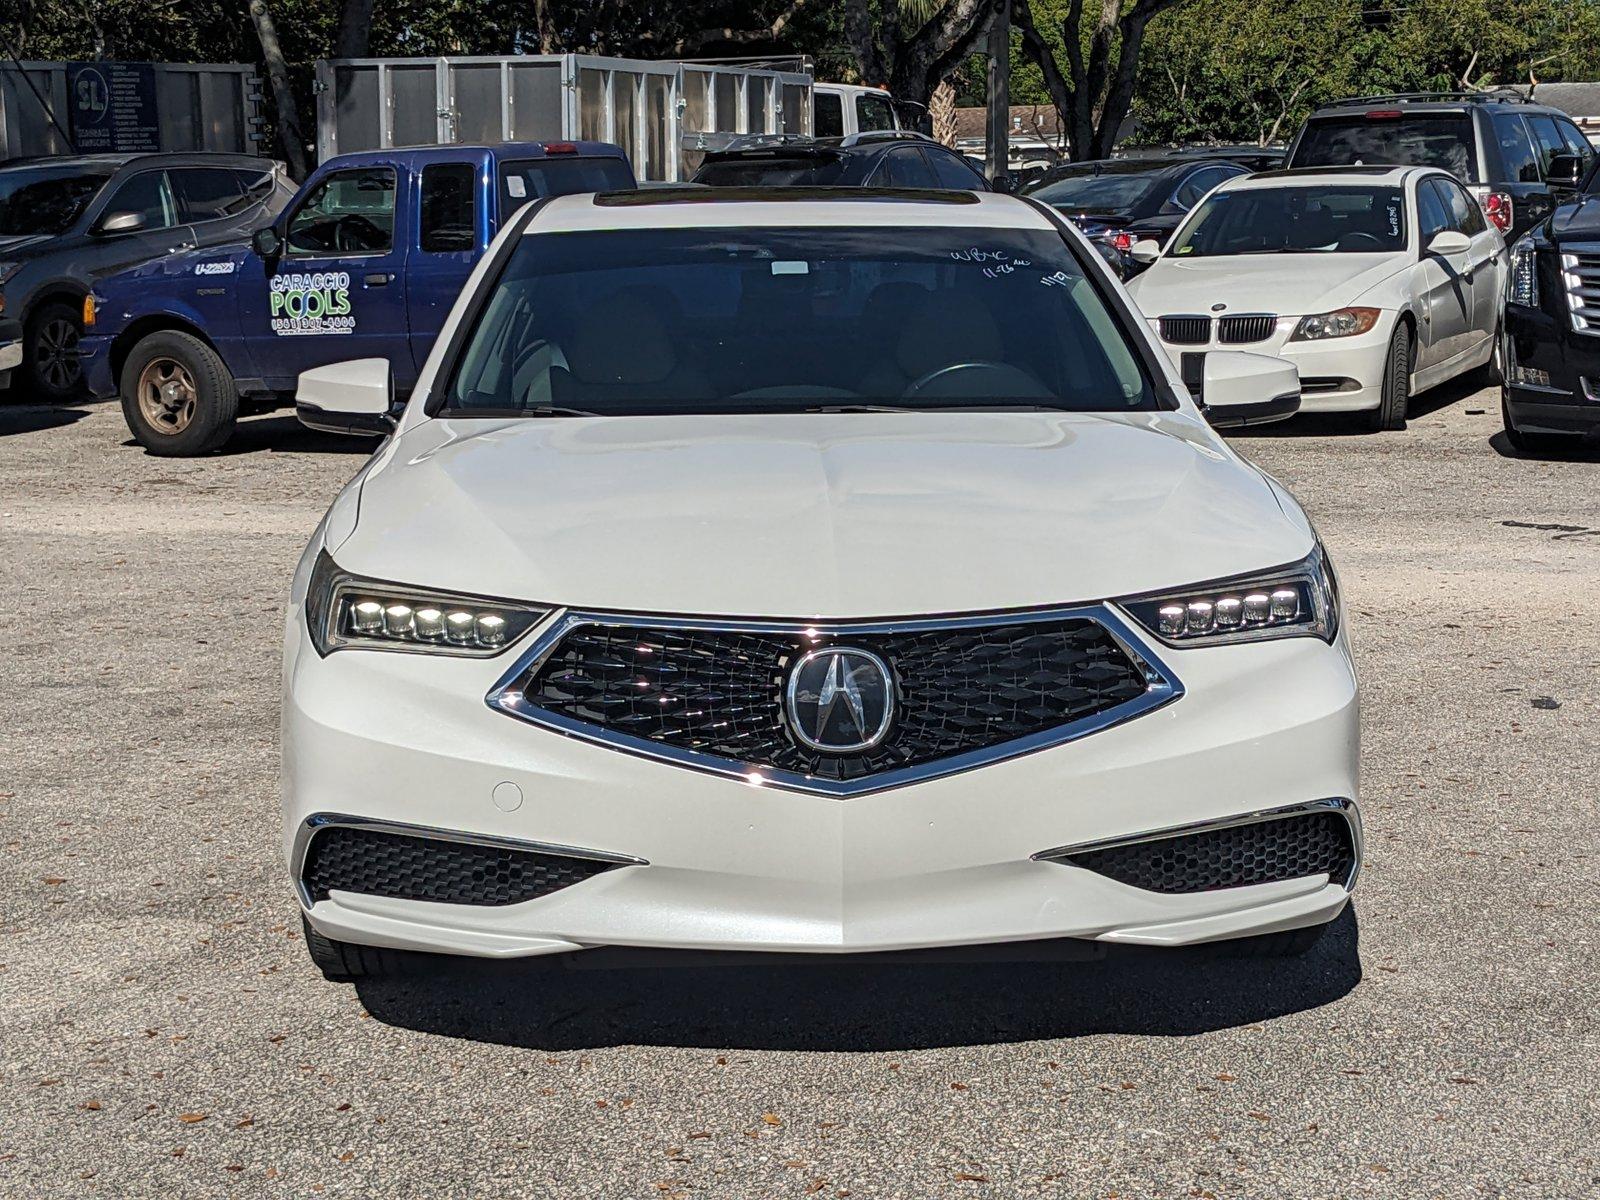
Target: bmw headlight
point(1341, 322)
point(1293, 601)
point(346, 612)
point(1522, 281)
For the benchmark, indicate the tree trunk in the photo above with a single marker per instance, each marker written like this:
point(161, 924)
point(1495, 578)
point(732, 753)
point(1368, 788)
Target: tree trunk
point(942, 110)
point(354, 38)
point(290, 138)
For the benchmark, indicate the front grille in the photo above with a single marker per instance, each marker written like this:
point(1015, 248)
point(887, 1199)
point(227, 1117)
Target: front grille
point(1580, 278)
point(1186, 331)
point(1236, 331)
point(1235, 856)
point(720, 693)
point(410, 867)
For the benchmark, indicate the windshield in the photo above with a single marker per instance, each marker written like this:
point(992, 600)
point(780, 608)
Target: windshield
point(774, 171)
point(527, 179)
point(1413, 139)
point(45, 200)
point(1122, 189)
point(785, 320)
point(1295, 220)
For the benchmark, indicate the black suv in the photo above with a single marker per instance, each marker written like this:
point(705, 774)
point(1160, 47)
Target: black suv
point(66, 221)
point(887, 158)
point(1550, 391)
point(1498, 143)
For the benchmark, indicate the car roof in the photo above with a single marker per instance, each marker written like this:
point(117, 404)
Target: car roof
point(786, 207)
point(173, 158)
point(1129, 166)
point(1377, 174)
point(1434, 102)
point(776, 145)
point(499, 150)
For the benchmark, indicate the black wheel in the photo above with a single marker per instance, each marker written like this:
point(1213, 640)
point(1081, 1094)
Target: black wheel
point(50, 351)
point(1530, 443)
point(1286, 943)
point(177, 396)
point(1391, 411)
point(342, 961)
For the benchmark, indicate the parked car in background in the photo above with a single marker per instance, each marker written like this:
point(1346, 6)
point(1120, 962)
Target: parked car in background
point(1376, 282)
point(1246, 154)
point(365, 262)
point(886, 159)
point(1119, 201)
point(1550, 395)
point(66, 222)
point(1497, 143)
point(986, 547)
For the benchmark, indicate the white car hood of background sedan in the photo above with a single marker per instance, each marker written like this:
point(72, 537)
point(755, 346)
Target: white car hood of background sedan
point(816, 515)
point(1286, 284)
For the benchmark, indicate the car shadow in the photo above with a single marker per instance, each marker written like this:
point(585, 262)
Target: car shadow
point(1570, 450)
point(282, 433)
point(860, 1005)
point(1324, 424)
point(33, 418)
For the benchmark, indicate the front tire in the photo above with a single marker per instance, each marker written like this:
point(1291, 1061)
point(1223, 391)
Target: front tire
point(50, 352)
point(178, 397)
point(1531, 444)
point(341, 962)
point(1390, 415)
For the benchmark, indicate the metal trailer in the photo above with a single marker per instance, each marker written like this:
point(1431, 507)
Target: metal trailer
point(664, 115)
point(129, 106)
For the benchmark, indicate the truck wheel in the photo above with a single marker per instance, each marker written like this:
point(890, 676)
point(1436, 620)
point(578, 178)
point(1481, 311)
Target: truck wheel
point(1391, 411)
point(50, 352)
point(177, 396)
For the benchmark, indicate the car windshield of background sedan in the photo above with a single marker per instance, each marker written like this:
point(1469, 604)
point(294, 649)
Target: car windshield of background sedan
point(45, 200)
point(727, 320)
point(791, 171)
point(1120, 189)
point(1295, 220)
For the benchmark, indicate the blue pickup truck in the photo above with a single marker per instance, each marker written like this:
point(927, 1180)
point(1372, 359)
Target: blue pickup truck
point(364, 262)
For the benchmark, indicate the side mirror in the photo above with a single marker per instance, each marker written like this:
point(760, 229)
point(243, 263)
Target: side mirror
point(1145, 251)
point(266, 242)
point(350, 397)
point(1449, 241)
point(1004, 183)
point(1566, 171)
point(1240, 388)
point(121, 222)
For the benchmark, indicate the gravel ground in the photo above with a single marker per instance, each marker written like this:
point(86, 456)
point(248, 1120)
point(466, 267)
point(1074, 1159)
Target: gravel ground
point(164, 1033)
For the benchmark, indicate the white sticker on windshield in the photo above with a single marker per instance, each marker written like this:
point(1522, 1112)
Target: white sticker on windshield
point(791, 268)
point(517, 186)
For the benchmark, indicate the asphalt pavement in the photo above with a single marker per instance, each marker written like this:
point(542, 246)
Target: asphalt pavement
point(165, 1035)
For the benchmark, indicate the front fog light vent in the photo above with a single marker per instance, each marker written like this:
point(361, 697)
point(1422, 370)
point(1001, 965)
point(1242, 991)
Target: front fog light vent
point(347, 612)
point(1294, 600)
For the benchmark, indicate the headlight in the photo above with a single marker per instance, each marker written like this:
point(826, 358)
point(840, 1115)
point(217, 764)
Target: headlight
point(344, 612)
point(1289, 602)
point(8, 269)
point(1522, 281)
point(1341, 322)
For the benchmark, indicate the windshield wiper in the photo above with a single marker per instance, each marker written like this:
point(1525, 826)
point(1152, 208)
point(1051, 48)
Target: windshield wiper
point(862, 408)
point(556, 410)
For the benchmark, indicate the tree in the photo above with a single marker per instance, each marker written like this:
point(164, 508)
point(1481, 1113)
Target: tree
point(912, 46)
point(290, 138)
point(1094, 93)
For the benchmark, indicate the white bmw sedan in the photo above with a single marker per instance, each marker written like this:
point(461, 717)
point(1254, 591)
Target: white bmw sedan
point(1376, 282)
point(787, 571)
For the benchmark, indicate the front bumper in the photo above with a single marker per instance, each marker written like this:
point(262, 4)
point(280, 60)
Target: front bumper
point(10, 347)
point(94, 354)
point(724, 864)
point(1336, 374)
point(1567, 399)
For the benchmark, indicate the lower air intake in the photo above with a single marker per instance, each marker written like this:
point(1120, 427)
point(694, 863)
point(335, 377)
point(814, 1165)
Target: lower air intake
point(407, 867)
point(1234, 856)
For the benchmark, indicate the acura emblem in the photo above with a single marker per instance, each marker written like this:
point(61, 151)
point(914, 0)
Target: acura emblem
point(840, 699)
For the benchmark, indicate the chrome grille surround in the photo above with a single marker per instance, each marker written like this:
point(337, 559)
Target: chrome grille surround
point(1580, 280)
point(507, 696)
point(1242, 328)
point(1185, 329)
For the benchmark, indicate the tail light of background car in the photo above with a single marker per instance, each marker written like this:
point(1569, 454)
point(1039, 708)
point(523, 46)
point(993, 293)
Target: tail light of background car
point(1496, 206)
point(1120, 241)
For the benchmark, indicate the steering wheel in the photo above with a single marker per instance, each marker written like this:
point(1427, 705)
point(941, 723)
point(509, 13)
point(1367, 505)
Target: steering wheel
point(963, 381)
point(356, 232)
point(1354, 241)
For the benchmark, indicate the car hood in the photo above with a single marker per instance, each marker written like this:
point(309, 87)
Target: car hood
point(816, 515)
point(1290, 285)
point(25, 245)
point(1580, 219)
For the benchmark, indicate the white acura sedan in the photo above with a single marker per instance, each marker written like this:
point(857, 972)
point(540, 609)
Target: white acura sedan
point(796, 571)
point(1376, 282)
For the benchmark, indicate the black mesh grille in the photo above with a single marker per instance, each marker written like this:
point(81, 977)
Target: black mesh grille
point(720, 693)
point(1186, 331)
point(1261, 852)
point(407, 867)
point(1237, 330)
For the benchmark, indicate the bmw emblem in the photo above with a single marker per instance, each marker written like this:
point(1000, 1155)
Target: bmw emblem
point(1218, 307)
point(840, 700)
